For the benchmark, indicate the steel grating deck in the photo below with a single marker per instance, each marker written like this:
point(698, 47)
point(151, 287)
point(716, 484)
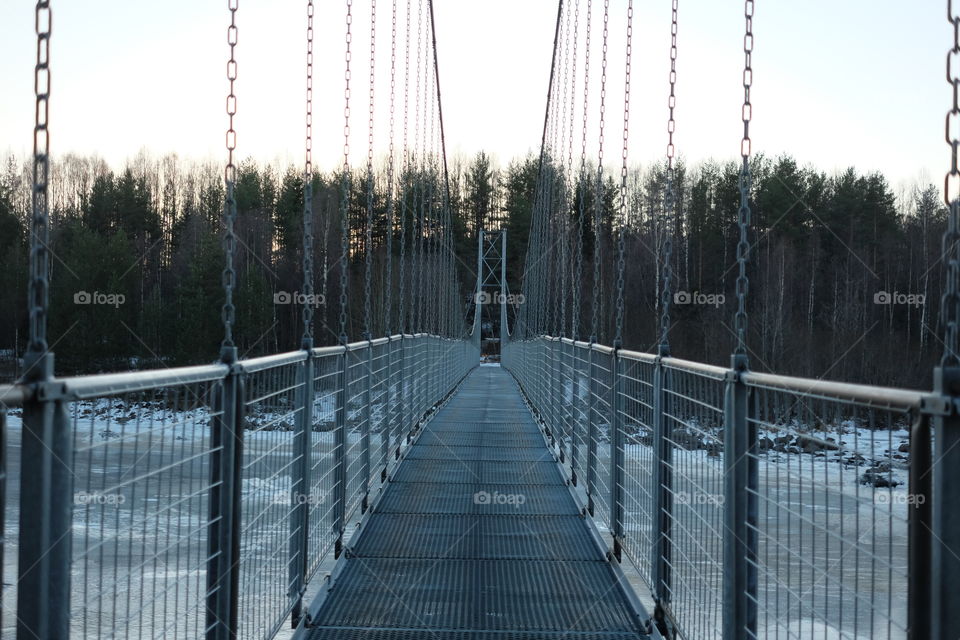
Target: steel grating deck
point(477, 537)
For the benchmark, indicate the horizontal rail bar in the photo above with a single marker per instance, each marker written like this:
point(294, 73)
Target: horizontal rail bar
point(113, 383)
point(875, 396)
point(323, 352)
point(12, 395)
point(636, 355)
point(696, 367)
point(268, 362)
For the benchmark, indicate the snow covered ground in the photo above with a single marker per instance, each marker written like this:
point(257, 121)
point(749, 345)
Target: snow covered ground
point(832, 549)
point(141, 515)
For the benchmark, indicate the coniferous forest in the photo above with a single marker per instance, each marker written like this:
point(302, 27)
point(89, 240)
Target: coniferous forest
point(844, 273)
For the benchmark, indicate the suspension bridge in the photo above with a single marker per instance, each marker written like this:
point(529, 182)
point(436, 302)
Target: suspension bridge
point(389, 485)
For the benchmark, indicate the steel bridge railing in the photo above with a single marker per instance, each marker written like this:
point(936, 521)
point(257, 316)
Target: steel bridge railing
point(752, 505)
point(202, 501)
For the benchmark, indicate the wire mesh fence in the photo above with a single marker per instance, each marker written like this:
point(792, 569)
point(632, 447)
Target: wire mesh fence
point(140, 502)
point(832, 498)
point(11, 398)
point(752, 505)
point(272, 410)
point(207, 498)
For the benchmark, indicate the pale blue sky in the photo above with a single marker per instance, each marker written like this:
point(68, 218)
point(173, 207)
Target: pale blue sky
point(837, 82)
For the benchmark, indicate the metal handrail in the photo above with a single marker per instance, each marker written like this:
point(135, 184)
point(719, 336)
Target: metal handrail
point(13, 395)
point(276, 360)
point(84, 387)
point(887, 397)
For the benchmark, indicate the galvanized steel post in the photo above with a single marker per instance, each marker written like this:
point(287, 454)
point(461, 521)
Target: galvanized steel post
point(591, 432)
point(945, 560)
point(46, 499)
point(386, 431)
point(223, 552)
point(616, 455)
point(662, 492)
point(740, 508)
point(300, 490)
point(340, 456)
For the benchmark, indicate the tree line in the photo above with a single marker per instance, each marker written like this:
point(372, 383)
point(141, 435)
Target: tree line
point(845, 277)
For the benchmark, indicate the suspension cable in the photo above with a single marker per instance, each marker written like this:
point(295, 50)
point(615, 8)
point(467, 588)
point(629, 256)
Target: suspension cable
point(391, 201)
point(307, 340)
point(368, 228)
point(228, 312)
point(669, 203)
point(40, 220)
point(743, 247)
point(582, 180)
point(598, 195)
point(345, 186)
point(950, 300)
point(618, 337)
point(402, 297)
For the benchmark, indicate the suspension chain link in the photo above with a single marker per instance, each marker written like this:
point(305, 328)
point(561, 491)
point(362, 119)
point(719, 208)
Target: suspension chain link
point(40, 220)
point(598, 196)
point(228, 313)
point(669, 203)
point(743, 246)
point(621, 257)
point(368, 228)
point(406, 178)
point(391, 200)
point(308, 193)
point(345, 186)
point(950, 301)
point(582, 182)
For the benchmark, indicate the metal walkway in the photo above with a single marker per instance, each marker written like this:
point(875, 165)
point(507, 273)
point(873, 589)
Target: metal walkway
point(477, 536)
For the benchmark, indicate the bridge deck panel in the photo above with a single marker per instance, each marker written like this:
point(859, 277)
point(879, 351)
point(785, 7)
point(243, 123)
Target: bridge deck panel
point(477, 536)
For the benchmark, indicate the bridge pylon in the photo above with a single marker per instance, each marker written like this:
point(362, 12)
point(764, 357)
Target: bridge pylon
point(491, 288)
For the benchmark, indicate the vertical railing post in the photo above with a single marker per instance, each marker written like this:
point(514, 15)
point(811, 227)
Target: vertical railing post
point(574, 449)
point(740, 508)
point(945, 557)
point(919, 526)
point(572, 423)
point(46, 499)
point(300, 490)
point(662, 492)
point(386, 431)
point(591, 429)
point(549, 412)
point(223, 550)
point(402, 428)
point(365, 432)
point(340, 455)
point(616, 456)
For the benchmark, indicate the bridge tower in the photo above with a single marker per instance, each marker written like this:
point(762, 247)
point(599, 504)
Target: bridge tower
point(491, 285)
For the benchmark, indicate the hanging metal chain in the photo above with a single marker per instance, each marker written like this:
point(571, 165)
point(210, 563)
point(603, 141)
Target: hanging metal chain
point(308, 194)
point(598, 195)
point(368, 229)
point(950, 301)
point(669, 200)
point(345, 186)
point(230, 209)
point(402, 298)
point(416, 238)
point(621, 257)
point(569, 182)
point(743, 246)
point(391, 200)
point(582, 182)
point(40, 220)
